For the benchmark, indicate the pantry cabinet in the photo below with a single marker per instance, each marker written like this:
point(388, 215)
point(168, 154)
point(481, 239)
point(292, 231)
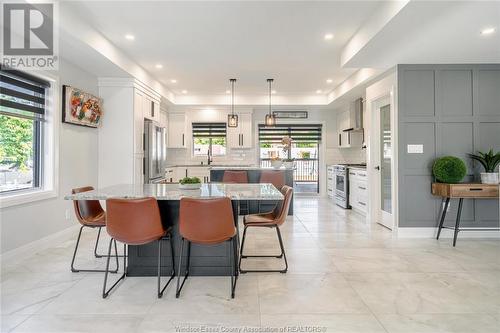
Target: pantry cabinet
point(241, 136)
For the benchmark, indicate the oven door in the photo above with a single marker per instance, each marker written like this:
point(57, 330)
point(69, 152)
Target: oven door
point(340, 183)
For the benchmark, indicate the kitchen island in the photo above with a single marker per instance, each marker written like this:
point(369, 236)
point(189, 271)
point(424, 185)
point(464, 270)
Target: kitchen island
point(253, 173)
point(205, 260)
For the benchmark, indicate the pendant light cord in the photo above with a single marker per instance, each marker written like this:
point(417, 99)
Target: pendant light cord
point(232, 96)
point(270, 83)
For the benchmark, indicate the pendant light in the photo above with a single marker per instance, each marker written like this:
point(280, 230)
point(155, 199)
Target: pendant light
point(270, 118)
point(232, 119)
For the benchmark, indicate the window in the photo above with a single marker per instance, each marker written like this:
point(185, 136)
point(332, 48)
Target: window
point(22, 113)
point(209, 137)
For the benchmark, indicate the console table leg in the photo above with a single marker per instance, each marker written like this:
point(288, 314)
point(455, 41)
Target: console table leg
point(444, 208)
point(457, 223)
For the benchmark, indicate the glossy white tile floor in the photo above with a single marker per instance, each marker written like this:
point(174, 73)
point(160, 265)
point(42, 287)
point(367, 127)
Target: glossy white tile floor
point(343, 277)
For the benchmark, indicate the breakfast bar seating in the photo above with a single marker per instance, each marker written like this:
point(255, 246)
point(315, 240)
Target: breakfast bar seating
point(205, 260)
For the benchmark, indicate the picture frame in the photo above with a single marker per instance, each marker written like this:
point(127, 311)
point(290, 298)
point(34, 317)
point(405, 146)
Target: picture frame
point(290, 114)
point(81, 108)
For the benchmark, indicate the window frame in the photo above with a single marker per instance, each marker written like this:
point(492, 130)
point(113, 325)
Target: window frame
point(210, 138)
point(48, 150)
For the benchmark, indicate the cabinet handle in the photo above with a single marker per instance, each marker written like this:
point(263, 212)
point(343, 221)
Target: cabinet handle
point(152, 109)
point(349, 138)
point(362, 188)
point(329, 178)
point(186, 172)
point(340, 139)
point(362, 203)
point(183, 141)
point(241, 139)
point(352, 173)
point(361, 174)
point(143, 165)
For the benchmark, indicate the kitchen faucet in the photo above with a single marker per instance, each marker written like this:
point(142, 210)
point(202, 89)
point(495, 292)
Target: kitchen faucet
point(209, 156)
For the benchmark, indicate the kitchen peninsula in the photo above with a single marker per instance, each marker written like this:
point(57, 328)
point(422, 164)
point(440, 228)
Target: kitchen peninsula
point(206, 260)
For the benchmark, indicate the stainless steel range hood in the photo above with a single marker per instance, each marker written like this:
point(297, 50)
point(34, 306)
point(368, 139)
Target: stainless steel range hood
point(356, 116)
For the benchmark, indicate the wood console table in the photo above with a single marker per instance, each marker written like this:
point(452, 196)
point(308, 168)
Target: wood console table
point(461, 192)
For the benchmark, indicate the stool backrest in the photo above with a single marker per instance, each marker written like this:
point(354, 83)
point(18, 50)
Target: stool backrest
point(281, 211)
point(86, 209)
point(235, 177)
point(275, 177)
point(206, 221)
point(134, 221)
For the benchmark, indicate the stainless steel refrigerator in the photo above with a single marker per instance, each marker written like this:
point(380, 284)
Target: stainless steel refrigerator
point(155, 152)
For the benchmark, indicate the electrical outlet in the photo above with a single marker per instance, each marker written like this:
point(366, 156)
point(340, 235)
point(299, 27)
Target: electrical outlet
point(67, 214)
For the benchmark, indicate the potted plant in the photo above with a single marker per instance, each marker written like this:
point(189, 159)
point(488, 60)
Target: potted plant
point(489, 161)
point(449, 169)
point(276, 162)
point(288, 163)
point(190, 183)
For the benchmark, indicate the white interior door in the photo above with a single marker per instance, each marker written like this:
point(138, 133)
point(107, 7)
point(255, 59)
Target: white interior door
point(383, 161)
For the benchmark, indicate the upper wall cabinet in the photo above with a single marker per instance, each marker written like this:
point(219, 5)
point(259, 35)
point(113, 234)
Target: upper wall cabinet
point(241, 136)
point(176, 130)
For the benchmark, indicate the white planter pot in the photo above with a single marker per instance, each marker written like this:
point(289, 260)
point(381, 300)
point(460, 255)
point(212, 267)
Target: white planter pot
point(489, 177)
point(276, 163)
point(194, 186)
point(288, 165)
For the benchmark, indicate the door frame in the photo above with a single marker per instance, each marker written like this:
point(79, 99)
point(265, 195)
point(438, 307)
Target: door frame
point(384, 88)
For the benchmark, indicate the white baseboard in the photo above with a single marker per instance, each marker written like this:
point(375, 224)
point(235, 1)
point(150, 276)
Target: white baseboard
point(445, 233)
point(29, 249)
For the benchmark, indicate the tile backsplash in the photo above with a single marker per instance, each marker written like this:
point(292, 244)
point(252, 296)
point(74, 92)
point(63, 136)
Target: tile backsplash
point(345, 155)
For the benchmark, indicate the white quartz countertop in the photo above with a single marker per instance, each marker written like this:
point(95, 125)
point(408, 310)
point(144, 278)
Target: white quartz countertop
point(172, 192)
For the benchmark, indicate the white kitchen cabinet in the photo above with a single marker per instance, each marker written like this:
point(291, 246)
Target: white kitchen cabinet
point(176, 130)
point(350, 139)
point(138, 122)
point(241, 136)
point(163, 118)
point(120, 143)
point(358, 190)
point(151, 108)
point(201, 172)
point(330, 181)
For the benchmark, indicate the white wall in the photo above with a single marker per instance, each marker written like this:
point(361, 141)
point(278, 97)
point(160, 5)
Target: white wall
point(26, 223)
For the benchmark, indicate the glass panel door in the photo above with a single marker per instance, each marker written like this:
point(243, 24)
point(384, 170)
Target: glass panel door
point(385, 159)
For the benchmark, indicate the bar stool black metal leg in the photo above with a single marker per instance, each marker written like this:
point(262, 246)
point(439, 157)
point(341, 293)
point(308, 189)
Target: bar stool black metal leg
point(172, 275)
point(76, 270)
point(105, 292)
point(179, 288)
point(241, 248)
point(234, 276)
point(97, 255)
point(457, 223)
point(282, 250)
point(444, 209)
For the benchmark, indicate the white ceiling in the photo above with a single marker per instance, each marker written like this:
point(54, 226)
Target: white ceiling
point(203, 44)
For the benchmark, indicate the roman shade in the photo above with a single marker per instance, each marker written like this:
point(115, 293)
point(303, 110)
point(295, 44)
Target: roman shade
point(21, 94)
point(209, 130)
point(297, 132)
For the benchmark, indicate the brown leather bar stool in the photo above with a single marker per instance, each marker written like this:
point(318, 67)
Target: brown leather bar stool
point(206, 222)
point(136, 222)
point(90, 215)
point(273, 219)
point(275, 177)
point(237, 177)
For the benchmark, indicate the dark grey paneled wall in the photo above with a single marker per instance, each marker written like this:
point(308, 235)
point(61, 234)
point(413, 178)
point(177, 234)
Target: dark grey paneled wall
point(451, 110)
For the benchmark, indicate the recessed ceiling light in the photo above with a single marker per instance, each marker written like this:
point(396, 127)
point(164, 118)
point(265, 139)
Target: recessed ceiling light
point(129, 37)
point(159, 66)
point(329, 80)
point(173, 81)
point(228, 91)
point(328, 36)
point(319, 91)
point(184, 91)
point(488, 31)
point(273, 91)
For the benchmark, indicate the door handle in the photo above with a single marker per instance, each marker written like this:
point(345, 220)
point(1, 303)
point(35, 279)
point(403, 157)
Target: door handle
point(377, 167)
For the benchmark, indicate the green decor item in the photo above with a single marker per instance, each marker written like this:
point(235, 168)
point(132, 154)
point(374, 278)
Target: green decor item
point(449, 169)
point(190, 180)
point(488, 160)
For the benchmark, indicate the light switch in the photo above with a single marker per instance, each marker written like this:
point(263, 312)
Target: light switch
point(415, 149)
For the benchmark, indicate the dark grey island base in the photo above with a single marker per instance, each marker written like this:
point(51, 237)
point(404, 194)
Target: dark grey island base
point(253, 174)
point(207, 260)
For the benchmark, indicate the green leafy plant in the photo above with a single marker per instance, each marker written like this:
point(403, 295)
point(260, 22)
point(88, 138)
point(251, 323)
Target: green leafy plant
point(449, 169)
point(190, 180)
point(489, 160)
